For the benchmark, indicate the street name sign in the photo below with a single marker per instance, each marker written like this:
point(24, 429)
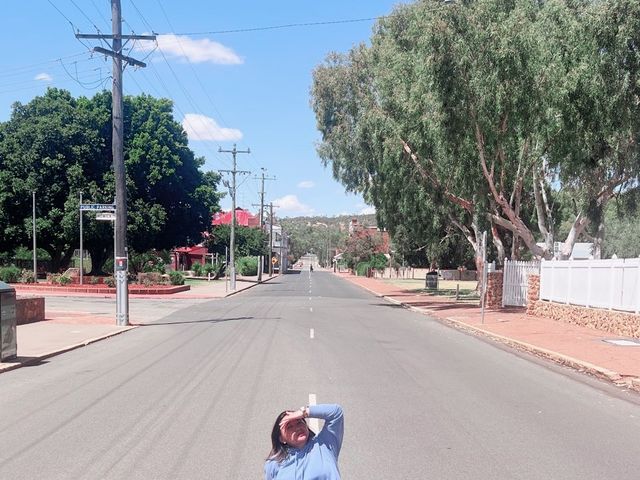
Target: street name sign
point(106, 216)
point(98, 207)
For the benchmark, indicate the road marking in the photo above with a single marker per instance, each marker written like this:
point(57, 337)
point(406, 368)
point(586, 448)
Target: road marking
point(314, 423)
point(312, 333)
point(311, 309)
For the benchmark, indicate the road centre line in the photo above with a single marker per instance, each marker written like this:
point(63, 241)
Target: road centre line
point(312, 333)
point(311, 309)
point(314, 423)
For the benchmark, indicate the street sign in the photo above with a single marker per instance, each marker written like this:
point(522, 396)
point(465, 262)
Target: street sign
point(274, 260)
point(98, 207)
point(106, 216)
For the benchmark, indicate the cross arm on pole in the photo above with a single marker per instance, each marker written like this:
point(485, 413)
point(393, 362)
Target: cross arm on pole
point(129, 60)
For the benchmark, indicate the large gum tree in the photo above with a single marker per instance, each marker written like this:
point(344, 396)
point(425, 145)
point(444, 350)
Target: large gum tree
point(476, 113)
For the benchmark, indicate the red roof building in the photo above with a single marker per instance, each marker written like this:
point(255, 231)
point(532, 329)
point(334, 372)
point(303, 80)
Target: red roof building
point(243, 218)
point(183, 258)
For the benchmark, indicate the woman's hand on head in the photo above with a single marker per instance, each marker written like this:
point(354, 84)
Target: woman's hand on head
point(291, 416)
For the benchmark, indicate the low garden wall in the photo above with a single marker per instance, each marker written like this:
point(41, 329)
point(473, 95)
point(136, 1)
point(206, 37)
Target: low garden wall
point(610, 321)
point(29, 310)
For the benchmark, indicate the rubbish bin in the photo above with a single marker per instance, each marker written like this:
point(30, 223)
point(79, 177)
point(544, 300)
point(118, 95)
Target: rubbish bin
point(431, 281)
point(8, 330)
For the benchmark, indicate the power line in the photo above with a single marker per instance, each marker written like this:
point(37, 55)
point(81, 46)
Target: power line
point(280, 27)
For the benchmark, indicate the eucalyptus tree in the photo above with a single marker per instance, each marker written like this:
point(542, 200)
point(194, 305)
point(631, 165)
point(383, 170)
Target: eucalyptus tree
point(594, 152)
point(475, 112)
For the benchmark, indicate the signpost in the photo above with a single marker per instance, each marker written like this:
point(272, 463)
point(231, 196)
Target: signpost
point(107, 212)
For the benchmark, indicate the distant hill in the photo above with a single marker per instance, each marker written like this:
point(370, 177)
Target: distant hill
point(338, 222)
point(320, 235)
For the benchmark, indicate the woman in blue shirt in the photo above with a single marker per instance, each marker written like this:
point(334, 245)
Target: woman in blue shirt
point(297, 453)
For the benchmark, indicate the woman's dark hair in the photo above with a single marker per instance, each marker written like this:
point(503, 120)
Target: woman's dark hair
point(279, 450)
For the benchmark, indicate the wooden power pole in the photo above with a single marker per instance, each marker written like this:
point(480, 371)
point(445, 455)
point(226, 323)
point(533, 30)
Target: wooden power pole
point(117, 147)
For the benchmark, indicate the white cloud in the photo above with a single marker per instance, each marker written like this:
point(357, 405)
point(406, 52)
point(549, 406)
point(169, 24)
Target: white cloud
point(43, 77)
point(306, 184)
point(196, 51)
point(368, 211)
point(290, 203)
point(201, 127)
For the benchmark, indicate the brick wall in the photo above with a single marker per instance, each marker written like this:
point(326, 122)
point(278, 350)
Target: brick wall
point(494, 290)
point(29, 309)
point(610, 321)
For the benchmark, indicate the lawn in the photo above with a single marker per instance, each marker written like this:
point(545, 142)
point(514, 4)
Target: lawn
point(446, 288)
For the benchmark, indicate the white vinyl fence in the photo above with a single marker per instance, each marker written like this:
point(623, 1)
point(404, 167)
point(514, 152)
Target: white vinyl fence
point(613, 284)
point(515, 281)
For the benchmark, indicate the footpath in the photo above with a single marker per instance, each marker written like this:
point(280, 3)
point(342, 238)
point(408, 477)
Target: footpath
point(581, 348)
point(73, 320)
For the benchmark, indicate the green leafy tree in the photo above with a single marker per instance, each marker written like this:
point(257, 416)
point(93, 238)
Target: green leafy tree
point(248, 241)
point(469, 113)
point(61, 146)
point(52, 146)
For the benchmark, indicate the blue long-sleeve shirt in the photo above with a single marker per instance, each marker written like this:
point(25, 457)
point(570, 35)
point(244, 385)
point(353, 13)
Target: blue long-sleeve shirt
point(318, 459)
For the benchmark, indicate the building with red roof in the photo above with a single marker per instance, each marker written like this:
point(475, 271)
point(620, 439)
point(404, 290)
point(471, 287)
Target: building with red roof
point(243, 218)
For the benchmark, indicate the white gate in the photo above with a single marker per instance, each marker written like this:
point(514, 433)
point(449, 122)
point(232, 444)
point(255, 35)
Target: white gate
point(515, 281)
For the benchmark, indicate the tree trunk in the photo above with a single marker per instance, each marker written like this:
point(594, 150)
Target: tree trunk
point(579, 224)
point(98, 256)
point(598, 241)
point(497, 242)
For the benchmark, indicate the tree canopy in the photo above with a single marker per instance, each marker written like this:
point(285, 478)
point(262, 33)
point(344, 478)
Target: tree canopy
point(477, 115)
point(59, 146)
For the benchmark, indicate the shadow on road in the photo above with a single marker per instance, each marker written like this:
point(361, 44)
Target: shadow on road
point(181, 322)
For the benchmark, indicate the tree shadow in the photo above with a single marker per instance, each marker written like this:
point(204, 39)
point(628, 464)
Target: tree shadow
point(184, 322)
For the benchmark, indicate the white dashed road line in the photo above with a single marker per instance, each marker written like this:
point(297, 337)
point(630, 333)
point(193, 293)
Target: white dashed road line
point(312, 333)
point(314, 423)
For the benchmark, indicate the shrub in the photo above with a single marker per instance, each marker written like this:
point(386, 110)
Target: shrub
point(247, 266)
point(110, 282)
point(210, 268)
point(197, 269)
point(176, 278)
point(362, 269)
point(26, 276)
point(10, 274)
point(64, 280)
point(378, 261)
point(94, 280)
point(147, 282)
point(107, 266)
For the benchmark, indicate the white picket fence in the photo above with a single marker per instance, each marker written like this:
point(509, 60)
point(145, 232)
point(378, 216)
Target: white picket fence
point(515, 281)
point(613, 283)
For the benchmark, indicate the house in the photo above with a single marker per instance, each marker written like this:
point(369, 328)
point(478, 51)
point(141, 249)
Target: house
point(243, 218)
point(358, 230)
point(183, 258)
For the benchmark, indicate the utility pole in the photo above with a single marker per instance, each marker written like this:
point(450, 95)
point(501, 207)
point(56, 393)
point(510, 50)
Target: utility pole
point(233, 172)
point(117, 147)
point(270, 238)
point(260, 263)
point(81, 244)
point(35, 261)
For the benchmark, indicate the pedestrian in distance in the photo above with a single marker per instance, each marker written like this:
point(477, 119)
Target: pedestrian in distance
point(297, 453)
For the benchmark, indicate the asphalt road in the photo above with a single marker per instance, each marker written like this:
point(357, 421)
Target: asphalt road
point(194, 395)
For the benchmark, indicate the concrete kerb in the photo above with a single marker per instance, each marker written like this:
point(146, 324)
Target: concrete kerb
point(576, 364)
point(5, 367)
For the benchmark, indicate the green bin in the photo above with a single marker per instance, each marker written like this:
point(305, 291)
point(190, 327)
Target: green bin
point(8, 330)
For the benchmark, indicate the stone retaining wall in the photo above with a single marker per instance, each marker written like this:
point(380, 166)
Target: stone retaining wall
point(494, 290)
point(610, 321)
point(29, 310)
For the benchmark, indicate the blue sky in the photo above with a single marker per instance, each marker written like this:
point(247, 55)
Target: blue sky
point(249, 87)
